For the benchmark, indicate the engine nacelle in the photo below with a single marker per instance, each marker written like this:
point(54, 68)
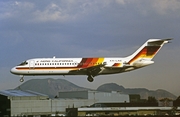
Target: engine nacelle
point(142, 63)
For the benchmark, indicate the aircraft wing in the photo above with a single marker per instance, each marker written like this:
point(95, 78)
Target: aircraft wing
point(93, 70)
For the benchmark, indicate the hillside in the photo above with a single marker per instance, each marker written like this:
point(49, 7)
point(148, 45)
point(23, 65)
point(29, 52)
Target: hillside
point(144, 93)
point(49, 86)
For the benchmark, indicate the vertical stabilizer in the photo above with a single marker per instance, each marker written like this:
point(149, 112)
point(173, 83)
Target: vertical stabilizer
point(147, 51)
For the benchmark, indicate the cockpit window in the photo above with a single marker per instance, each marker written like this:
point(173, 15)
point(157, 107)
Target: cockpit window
point(23, 63)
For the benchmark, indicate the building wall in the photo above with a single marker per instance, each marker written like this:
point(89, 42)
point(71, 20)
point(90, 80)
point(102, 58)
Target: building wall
point(60, 105)
point(74, 94)
point(106, 111)
point(105, 97)
point(30, 107)
point(44, 107)
point(29, 97)
point(4, 106)
point(96, 96)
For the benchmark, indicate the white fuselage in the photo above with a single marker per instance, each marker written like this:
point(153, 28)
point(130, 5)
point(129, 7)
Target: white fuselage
point(91, 66)
point(64, 66)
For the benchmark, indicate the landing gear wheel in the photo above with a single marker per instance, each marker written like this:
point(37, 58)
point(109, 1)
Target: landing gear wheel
point(22, 79)
point(90, 79)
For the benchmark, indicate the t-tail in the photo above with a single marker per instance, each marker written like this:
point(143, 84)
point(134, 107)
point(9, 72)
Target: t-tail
point(144, 55)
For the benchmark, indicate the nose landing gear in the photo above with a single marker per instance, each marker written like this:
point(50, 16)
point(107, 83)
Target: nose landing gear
point(22, 78)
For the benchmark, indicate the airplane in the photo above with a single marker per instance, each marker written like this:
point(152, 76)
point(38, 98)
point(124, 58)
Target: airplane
point(93, 66)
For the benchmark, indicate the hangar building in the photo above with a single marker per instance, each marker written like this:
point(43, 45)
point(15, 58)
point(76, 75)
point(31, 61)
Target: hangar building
point(19, 103)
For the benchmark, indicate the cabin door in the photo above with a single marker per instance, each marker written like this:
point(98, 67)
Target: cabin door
point(31, 65)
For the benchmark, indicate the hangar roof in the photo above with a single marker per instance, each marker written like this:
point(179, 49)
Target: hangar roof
point(20, 93)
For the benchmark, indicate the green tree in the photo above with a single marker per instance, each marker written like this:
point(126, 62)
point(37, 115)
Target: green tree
point(152, 99)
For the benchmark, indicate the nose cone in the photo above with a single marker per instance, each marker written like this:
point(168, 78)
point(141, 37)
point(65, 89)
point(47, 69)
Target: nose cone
point(13, 70)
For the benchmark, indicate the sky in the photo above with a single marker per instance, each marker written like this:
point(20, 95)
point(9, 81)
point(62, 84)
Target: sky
point(91, 28)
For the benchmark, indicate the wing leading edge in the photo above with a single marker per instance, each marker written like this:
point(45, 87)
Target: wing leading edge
point(90, 71)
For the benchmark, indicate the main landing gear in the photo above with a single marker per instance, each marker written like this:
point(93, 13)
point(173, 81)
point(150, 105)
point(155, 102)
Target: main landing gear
point(90, 78)
point(22, 78)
